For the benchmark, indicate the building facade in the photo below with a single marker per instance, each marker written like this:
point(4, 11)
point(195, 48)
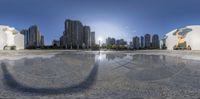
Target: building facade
point(147, 38)
point(56, 43)
point(62, 42)
point(188, 35)
point(72, 35)
point(93, 39)
point(32, 37)
point(110, 41)
point(142, 42)
point(76, 35)
point(121, 42)
point(136, 42)
point(42, 41)
point(155, 41)
point(10, 38)
point(86, 36)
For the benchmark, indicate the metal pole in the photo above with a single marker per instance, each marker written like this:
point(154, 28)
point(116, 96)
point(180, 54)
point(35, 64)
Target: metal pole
point(99, 45)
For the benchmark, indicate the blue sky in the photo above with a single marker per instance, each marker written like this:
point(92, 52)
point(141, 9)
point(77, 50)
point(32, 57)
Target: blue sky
point(115, 18)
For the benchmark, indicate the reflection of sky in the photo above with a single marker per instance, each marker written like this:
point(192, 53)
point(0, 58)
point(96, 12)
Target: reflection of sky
point(115, 18)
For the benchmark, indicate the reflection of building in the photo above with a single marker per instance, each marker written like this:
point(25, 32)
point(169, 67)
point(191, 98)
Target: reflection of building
point(147, 40)
point(10, 38)
point(110, 56)
point(155, 41)
point(136, 42)
point(33, 37)
point(190, 35)
point(113, 56)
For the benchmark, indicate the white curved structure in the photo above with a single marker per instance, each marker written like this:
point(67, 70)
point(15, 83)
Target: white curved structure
point(10, 37)
point(191, 36)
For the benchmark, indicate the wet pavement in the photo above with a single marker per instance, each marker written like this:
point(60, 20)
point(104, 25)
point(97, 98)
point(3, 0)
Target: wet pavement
point(99, 75)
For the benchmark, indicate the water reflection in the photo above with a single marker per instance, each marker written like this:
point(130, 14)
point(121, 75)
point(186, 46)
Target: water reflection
point(113, 56)
point(147, 67)
point(155, 67)
point(119, 75)
point(46, 72)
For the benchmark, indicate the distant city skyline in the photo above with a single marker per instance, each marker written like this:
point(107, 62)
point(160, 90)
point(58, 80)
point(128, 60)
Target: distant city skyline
point(108, 18)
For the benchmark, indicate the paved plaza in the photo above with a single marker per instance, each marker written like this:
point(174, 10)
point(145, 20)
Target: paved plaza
point(99, 75)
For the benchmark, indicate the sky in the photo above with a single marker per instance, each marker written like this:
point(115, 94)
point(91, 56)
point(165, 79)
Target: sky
point(108, 18)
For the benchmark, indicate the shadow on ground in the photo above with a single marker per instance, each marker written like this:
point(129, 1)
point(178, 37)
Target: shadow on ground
point(14, 85)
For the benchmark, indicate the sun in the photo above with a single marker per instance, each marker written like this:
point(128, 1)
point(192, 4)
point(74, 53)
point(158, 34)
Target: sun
point(100, 39)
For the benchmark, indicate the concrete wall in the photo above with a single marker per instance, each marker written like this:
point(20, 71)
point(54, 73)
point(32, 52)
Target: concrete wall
point(193, 37)
point(3, 39)
point(10, 37)
point(19, 41)
point(171, 40)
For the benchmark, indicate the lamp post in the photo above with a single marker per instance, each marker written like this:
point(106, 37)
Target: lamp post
point(99, 45)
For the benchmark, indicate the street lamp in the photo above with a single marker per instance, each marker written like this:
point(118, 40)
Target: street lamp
point(100, 39)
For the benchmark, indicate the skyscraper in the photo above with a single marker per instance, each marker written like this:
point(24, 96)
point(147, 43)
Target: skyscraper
point(155, 41)
point(86, 36)
point(142, 42)
point(147, 41)
point(26, 34)
point(76, 35)
point(33, 37)
point(42, 41)
point(136, 42)
point(56, 43)
point(62, 42)
point(73, 34)
point(110, 41)
point(121, 42)
point(92, 38)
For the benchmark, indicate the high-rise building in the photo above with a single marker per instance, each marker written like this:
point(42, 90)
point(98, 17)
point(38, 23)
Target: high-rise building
point(32, 37)
point(27, 36)
point(142, 42)
point(155, 41)
point(110, 41)
point(73, 34)
point(147, 41)
point(92, 38)
point(42, 41)
point(56, 43)
point(131, 45)
point(121, 42)
point(86, 36)
point(76, 35)
point(35, 35)
point(62, 43)
point(136, 42)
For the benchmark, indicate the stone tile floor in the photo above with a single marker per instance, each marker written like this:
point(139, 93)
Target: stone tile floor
point(104, 75)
